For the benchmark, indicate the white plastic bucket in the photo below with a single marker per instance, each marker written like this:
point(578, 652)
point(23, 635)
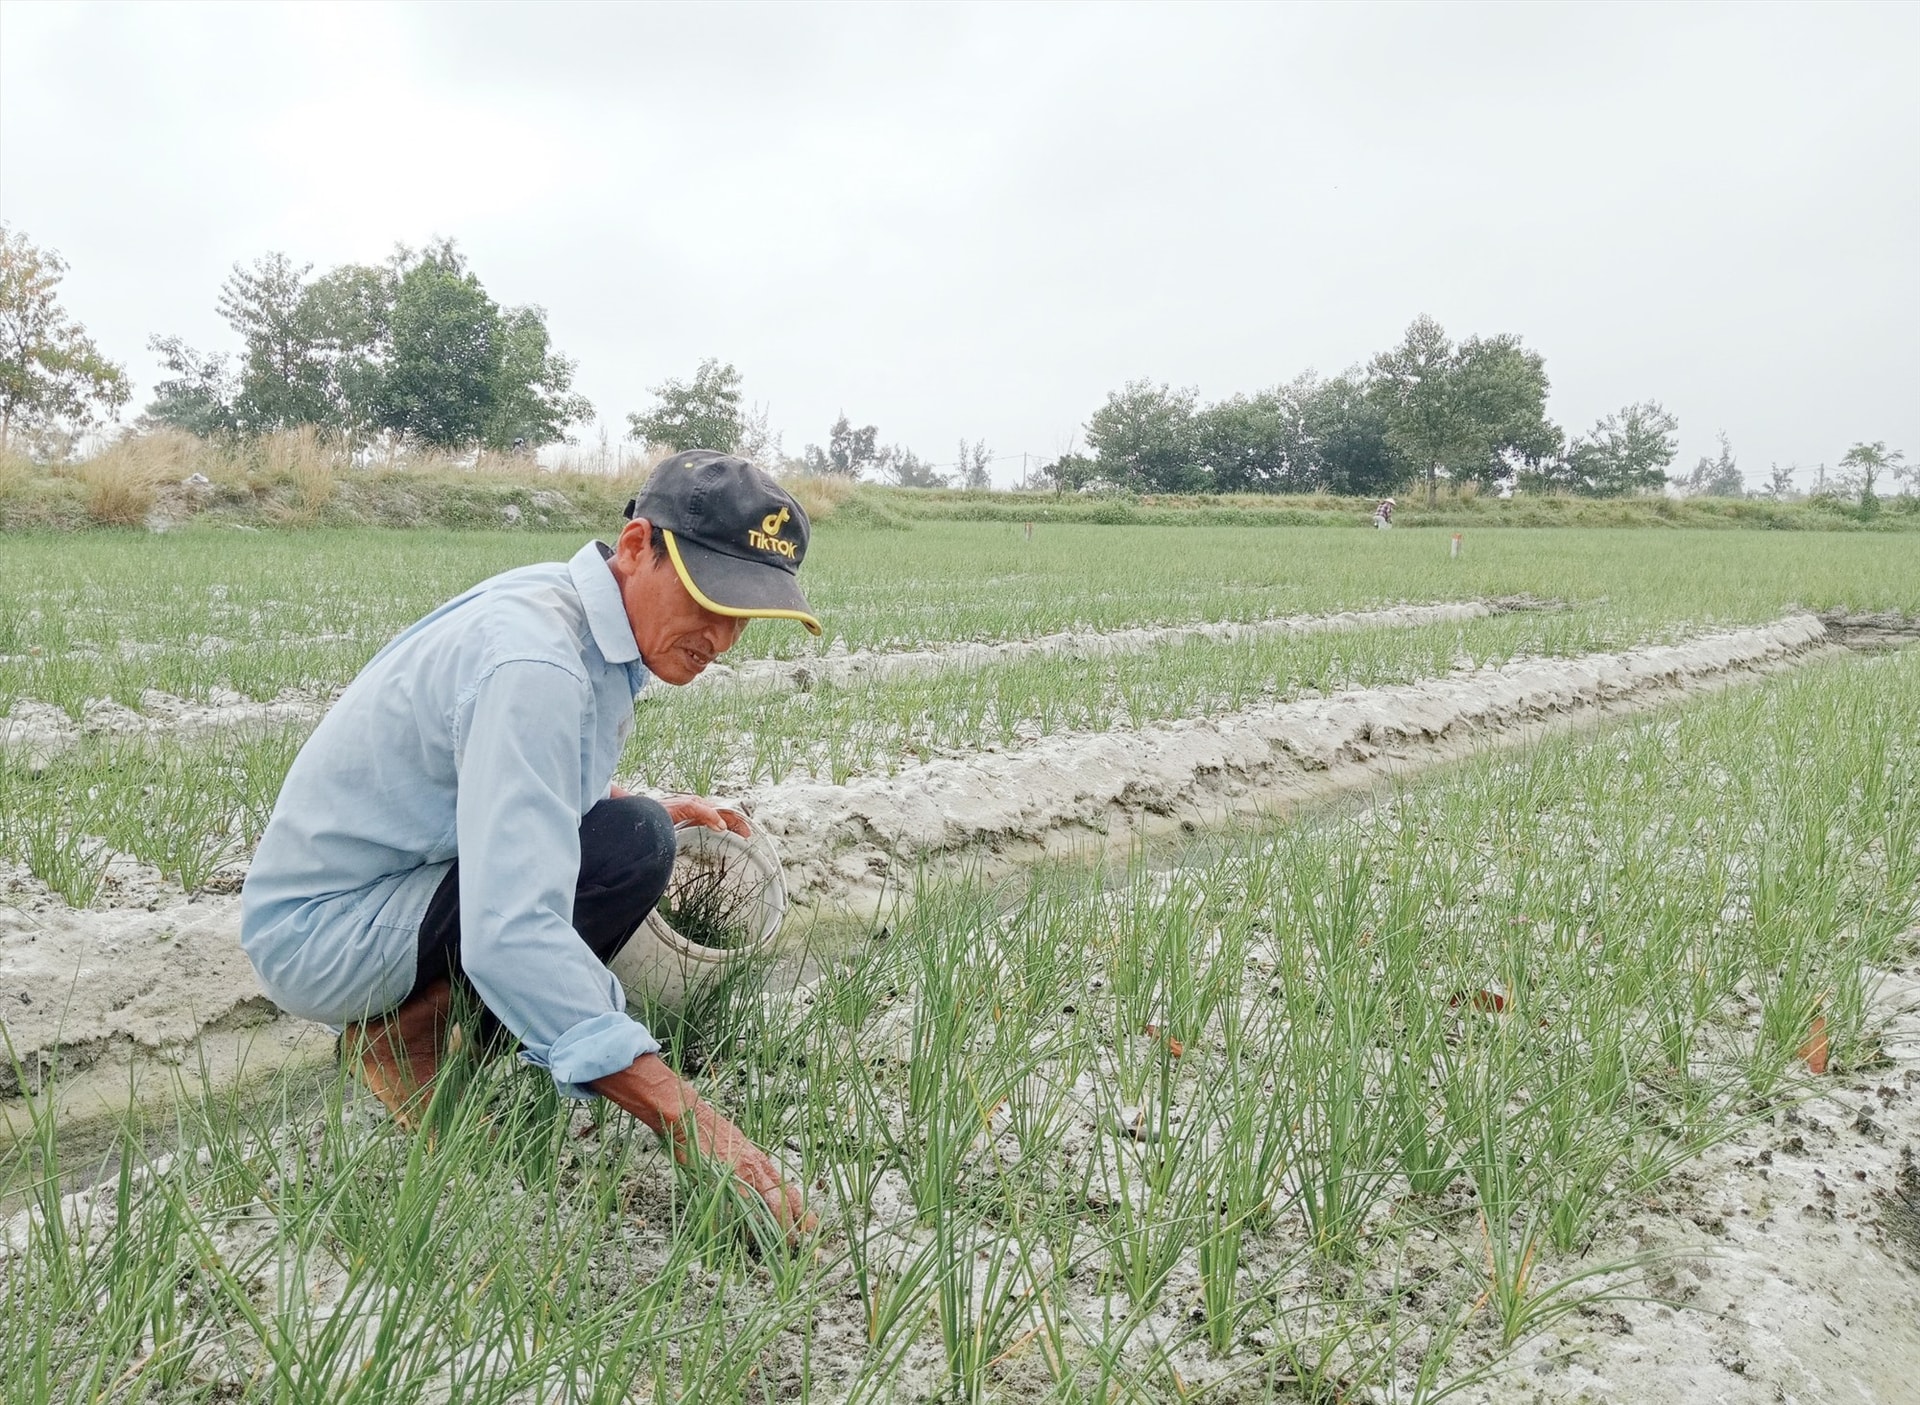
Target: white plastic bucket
point(662, 968)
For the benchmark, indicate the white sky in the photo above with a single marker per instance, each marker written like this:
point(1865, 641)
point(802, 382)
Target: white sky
point(978, 220)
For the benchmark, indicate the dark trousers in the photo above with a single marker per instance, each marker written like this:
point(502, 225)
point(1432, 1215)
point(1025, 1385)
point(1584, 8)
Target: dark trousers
point(626, 857)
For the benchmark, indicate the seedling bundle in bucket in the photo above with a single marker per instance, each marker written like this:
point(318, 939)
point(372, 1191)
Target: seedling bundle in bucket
point(722, 908)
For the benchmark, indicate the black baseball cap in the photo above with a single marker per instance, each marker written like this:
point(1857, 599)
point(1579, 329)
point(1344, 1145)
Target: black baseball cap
point(736, 538)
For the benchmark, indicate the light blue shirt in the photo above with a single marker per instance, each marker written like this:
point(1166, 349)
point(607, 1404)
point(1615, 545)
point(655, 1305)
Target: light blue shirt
point(486, 730)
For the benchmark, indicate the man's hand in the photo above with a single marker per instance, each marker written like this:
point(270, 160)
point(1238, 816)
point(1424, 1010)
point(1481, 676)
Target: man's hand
point(697, 1131)
point(692, 809)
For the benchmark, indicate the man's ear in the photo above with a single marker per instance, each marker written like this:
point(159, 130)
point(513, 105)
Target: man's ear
point(635, 541)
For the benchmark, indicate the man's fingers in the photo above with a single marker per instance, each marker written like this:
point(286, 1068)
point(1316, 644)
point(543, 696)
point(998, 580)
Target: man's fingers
point(789, 1211)
point(804, 1220)
point(757, 1172)
point(693, 809)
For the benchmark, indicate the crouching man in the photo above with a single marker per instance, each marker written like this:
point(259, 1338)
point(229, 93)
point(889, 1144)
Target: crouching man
point(452, 822)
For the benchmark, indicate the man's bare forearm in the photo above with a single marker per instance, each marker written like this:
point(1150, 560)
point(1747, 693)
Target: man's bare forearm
point(690, 1124)
point(651, 1091)
point(699, 1131)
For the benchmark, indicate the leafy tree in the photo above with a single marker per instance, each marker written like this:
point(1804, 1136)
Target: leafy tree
point(907, 469)
point(1780, 482)
point(1626, 452)
point(441, 387)
point(1415, 384)
point(1353, 450)
point(1472, 410)
point(346, 317)
point(313, 353)
point(1503, 389)
point(415, 346)
point(1145, 438)
point(849, 451)
point(1306, 435)
point(1909, 472)
point(1715, 477)
point(281, 382)
point(51, 373)
point(1069, 473)
point(1259, 443)
point(533, 397)
point(759, 441)
point(703, 413)
point(974, 473)
point(1863, 465)
point(199, 393)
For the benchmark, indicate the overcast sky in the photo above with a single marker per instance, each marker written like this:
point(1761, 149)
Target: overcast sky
point(978, 220)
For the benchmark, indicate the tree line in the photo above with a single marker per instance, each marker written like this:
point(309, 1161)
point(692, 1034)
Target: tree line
point(416, 350)
point(709, 411)
point(414, 347)
point(1426, 410)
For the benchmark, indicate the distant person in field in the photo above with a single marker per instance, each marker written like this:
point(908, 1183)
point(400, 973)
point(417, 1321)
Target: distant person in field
point(452, 824)
point(1383, 514)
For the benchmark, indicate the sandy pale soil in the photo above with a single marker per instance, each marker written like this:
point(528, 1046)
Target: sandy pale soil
point(838, 666)
point(848, 842)
point(37, 732)
point(77, 988)
point(1794, 1273)
point(1786, 1264)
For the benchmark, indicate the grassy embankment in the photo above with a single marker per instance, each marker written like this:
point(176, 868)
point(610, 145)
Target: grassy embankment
point(299, 480)
point(1340, 1109)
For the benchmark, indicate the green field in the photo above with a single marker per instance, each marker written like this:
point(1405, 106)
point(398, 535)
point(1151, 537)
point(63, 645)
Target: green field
point(1336, 1107)
point(106, 615)
point(99, 617)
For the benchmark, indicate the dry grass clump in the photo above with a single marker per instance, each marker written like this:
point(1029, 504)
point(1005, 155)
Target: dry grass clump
point(492, 463)
point(122, 481)
point(306, 459)
point(821, 496)
point(15, 472)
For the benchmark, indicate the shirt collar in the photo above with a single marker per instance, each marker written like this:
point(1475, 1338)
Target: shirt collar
point(606, 612)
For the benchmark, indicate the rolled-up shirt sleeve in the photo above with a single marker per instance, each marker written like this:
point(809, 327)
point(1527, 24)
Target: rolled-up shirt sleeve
point(517, 815)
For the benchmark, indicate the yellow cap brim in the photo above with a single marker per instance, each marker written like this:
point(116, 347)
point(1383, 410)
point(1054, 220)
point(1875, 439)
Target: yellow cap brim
point(780, 582)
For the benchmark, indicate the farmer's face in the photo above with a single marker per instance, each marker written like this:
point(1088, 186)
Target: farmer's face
point(678, 637)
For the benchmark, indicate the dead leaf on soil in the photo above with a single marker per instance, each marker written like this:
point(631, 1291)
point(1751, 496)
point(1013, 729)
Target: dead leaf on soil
point(1487, 1001)
point(1814, 1051)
